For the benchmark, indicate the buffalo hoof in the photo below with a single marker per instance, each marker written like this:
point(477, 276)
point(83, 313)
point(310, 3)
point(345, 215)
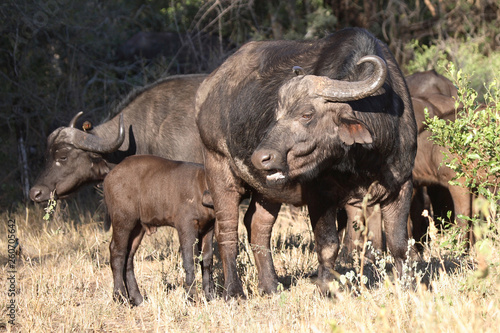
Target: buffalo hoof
point(119, 297)
point(326, 287)
point(210, 292)
point(191, 293)
point(136, 300)
point(133, 300)
point(234, 291)
point(268, 288)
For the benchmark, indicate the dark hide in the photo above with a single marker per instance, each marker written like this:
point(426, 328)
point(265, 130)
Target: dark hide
point(158, 119)
point(145, 192)
point(423, 84)
point(305, 140)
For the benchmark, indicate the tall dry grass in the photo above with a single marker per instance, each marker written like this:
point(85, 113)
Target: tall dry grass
point(64, 283)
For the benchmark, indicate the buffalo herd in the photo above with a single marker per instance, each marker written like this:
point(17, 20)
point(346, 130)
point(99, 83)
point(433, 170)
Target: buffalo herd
point(331, 123)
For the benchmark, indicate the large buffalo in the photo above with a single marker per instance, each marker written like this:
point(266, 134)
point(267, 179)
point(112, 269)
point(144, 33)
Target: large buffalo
point(158, 119)
point(331, 131)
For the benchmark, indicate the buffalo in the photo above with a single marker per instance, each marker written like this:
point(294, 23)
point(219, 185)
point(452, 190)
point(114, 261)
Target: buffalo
point(145, 192)
point(321, 123)
point(439, 96)
point(158, 119)
point(436, 94)
point(430, 82)
point(430, 169)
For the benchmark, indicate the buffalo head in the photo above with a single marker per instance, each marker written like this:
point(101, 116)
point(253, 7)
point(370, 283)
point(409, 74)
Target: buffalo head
point(73, 158)
point(315, 124)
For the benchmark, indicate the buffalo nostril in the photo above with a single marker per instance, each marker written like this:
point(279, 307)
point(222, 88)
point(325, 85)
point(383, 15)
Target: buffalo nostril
point(36, 194)
point(266, 158)
point(262, 159)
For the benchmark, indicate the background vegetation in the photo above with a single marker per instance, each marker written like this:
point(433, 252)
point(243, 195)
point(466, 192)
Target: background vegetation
point(58, 57)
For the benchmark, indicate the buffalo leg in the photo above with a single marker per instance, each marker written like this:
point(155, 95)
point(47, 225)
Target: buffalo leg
point(350, 233)
point(187, 239)
point(395, 214)
point(327, 240)
point(134, 241)
point(372, 223)
point(226, 192)
point(417, 223)
point(118, 256)
point(462, 205)
point(206, 247)
point(259, 221)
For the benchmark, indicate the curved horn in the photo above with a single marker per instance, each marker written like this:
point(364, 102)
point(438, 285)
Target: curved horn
point(75, 118)
point(344, 91)
point(93, 143)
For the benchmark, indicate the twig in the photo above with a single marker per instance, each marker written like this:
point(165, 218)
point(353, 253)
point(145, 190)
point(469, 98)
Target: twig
point(431, 7)
point(23, 160)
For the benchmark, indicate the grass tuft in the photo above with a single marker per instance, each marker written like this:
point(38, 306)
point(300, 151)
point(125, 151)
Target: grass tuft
point(64, 283)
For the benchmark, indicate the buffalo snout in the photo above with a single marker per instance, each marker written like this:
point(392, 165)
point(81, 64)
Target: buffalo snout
point(267, 159)
point(39, 193)
point(273, 161)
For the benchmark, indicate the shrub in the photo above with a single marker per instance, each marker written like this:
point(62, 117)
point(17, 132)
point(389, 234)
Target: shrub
point(469, 55)
point(473, 147)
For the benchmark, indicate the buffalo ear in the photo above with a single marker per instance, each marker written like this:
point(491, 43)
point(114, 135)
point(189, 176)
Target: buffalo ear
point(99, 165)
point(354, 131)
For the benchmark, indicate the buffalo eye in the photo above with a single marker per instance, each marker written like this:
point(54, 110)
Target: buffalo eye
point(307, 116)
point(62, 159)
point(95, 156)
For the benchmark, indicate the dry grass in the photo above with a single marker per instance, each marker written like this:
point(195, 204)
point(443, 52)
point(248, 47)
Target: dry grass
point(64, 284)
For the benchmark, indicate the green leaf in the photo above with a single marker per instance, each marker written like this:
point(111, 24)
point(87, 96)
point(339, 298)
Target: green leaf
point(474, 156)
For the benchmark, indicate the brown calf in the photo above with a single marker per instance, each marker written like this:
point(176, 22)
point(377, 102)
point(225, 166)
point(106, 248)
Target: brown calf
point(145, 192)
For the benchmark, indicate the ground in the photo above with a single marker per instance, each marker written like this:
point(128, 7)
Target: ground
point(63, 283)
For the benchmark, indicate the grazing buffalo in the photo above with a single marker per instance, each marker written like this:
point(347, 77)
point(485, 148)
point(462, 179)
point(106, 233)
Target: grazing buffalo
point(337, 127)
point(158, 119)
point(145, 192)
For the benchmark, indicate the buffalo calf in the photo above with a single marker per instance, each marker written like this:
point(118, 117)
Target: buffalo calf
point(145, 192)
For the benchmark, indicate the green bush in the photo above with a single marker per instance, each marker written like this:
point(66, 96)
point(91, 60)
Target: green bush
point(468, 55)
point(473, 147)
point(58, 57)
